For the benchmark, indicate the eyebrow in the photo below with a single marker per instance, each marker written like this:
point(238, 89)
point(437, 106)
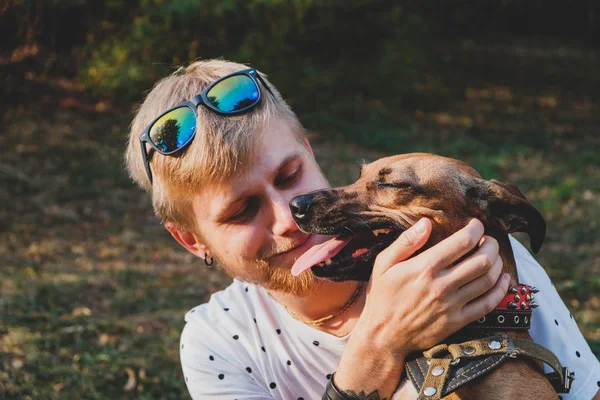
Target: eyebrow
point(385, 171)
point(289, 159)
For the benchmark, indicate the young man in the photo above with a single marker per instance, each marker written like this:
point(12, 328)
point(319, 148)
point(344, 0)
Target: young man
point(221, 175)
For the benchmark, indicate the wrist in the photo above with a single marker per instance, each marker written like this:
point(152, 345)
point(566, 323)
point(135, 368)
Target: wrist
point(332, 392)
point(365, 368)
point(372, 340)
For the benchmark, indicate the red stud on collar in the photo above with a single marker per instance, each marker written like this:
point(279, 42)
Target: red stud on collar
point(519, 297)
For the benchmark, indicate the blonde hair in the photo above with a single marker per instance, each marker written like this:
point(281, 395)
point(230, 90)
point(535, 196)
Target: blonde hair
point(222, 147)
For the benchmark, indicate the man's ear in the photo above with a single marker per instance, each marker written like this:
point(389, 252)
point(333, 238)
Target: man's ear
point(188, 240)
point(508, 209)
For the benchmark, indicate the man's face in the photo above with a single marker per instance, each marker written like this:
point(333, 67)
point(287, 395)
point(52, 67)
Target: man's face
point(247, 224)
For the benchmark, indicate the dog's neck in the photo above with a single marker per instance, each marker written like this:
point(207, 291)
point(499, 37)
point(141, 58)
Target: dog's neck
point(508, 266)
point(506, 253)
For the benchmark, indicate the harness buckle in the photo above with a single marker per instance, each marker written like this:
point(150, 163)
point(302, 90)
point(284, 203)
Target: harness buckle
point(562, 384)
point(569, 378)
point(512, 351)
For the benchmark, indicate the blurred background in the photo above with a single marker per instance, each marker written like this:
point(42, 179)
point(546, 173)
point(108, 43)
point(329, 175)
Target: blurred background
point(93, 290)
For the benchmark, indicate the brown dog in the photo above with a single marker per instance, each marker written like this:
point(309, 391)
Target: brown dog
point(391, 195)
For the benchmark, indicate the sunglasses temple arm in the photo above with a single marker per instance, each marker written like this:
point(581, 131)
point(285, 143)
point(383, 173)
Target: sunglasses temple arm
point(145, 158)
point(265, 85)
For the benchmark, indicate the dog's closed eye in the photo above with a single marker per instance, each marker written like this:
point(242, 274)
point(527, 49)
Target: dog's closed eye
point(396, 185)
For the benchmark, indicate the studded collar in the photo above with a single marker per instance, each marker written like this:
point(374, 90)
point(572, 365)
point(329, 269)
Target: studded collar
point(513, 313)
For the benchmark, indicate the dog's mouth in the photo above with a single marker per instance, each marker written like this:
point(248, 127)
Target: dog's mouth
point(349, 258)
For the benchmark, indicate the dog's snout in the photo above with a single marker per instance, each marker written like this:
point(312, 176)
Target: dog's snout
point(300, 206)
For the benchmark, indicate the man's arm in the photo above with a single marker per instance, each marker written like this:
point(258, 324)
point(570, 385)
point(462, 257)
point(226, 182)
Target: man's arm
point(368, 373)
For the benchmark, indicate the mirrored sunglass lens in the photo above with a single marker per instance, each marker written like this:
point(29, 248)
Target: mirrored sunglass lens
point(174, 129)
point(233, 94)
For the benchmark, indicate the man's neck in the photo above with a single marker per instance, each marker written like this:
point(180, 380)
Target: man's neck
point(327, 298)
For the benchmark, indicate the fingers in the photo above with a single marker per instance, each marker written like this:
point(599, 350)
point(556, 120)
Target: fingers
point(453, 247)
point(481, 284)
point(402, 248)
point(486, 303)
point(476, 265)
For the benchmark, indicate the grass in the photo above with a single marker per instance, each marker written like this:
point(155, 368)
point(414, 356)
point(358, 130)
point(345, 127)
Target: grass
point(94, 290)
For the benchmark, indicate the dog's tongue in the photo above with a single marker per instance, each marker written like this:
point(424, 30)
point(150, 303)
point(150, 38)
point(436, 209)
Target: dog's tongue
point(318, 253)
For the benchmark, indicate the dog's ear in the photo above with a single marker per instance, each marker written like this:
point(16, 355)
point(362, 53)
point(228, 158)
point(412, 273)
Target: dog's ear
point(508, 209)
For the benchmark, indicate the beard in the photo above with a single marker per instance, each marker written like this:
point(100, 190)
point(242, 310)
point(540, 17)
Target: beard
point(276, 277)
point(280, 279)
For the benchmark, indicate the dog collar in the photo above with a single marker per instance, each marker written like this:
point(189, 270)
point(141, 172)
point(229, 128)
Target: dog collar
point(513, 313)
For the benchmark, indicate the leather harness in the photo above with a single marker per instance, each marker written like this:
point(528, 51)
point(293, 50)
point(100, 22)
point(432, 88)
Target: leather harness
point(475, 351)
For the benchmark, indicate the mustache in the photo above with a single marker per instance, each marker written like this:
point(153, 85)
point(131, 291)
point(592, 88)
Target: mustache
point(282, 246)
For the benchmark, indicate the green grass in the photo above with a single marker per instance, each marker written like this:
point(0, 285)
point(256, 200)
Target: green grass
point(94, 289)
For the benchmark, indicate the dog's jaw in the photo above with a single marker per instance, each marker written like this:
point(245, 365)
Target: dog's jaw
point(359, 271)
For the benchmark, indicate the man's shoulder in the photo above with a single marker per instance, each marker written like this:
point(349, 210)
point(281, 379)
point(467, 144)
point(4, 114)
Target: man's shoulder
point(523, 258)
point(529, 269)
point(224, 329)
point(233, 304)
point(519, 249)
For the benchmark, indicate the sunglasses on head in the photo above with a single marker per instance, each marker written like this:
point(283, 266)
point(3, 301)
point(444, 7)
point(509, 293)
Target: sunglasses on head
point(174, 129)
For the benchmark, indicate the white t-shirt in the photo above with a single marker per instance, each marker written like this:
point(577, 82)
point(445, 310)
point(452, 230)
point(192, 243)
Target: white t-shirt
point(244, 345)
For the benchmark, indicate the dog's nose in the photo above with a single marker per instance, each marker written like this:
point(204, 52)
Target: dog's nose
point(300, 205)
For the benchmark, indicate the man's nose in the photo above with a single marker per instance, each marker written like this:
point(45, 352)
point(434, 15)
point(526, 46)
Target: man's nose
point(300, 207)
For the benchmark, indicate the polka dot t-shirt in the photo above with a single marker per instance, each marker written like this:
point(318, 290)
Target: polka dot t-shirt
point(244, 345)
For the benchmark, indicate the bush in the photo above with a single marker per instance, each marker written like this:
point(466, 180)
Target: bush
point(314, 48)
point(329, 53)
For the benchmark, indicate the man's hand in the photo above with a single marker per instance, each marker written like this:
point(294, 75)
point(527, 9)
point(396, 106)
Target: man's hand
point(414, 303)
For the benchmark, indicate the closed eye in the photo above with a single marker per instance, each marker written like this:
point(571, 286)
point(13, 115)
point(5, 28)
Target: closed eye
point(248, 210)
point(289, 178)
point(396, 185)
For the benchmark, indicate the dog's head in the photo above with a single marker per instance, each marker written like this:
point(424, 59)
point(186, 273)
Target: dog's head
point(391, 195)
